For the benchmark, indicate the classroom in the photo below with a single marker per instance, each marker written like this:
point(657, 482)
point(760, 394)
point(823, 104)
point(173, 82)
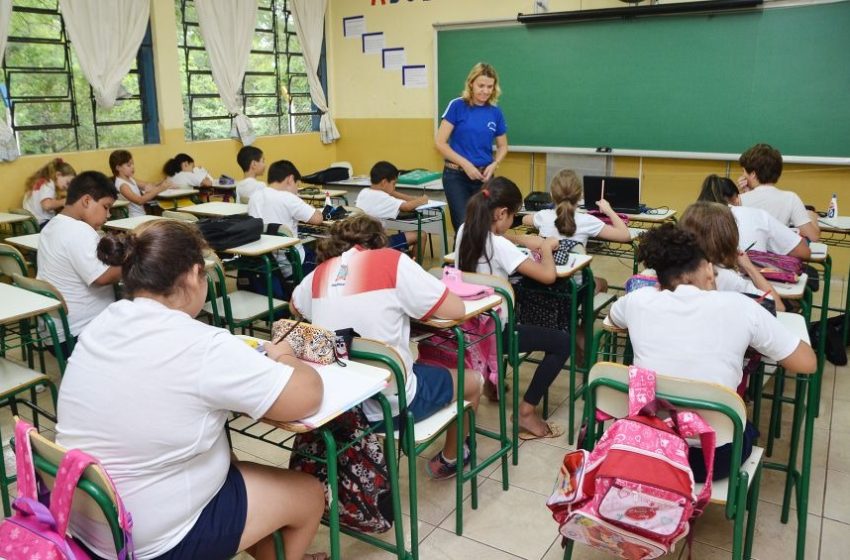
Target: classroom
point(313, 117)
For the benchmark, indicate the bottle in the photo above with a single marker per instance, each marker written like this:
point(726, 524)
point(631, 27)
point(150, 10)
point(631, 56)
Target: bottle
point(328, 209)
point(832, 210)
point(328, 199)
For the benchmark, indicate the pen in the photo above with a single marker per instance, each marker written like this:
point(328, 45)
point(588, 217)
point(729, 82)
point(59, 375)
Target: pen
point(750, 247)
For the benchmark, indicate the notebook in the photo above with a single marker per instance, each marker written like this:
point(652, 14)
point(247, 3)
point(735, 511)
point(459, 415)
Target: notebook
point(623, 193)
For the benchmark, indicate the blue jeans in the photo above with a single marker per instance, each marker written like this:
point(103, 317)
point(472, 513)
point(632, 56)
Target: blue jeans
point(459, 189)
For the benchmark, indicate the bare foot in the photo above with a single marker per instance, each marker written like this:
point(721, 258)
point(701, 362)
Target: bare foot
point(533, 424)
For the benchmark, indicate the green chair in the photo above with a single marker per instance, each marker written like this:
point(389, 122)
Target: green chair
point(29, 226)
point(607, 391)
point(12, 261)
point(60, 317)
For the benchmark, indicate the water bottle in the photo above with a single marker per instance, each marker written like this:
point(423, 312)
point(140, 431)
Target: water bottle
point(328, 209)
point(832, 210)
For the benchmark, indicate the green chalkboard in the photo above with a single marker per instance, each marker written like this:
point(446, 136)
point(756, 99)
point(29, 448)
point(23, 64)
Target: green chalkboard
point(687, 83)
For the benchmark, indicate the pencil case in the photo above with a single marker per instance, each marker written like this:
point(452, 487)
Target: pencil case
point(453, 279)
point(309, 342)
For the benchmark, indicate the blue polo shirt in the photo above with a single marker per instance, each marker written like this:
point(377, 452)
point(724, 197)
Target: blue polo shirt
point(475, 128)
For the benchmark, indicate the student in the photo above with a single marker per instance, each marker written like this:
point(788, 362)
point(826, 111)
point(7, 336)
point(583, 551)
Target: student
point(137, 193)
point(67, 252)
point(716, 232)
point(686, 328)
point(762, 168)
point(482, 247)
point(382, 201)
point(252, 162)
point(172, 466)
point(563, 222)
point(279, 204)
point(183, 173)
point(757, 229)
point(45, 190)
point(362, 284)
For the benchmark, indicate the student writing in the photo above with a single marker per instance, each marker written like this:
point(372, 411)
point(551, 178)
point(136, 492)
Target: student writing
point(45, 189)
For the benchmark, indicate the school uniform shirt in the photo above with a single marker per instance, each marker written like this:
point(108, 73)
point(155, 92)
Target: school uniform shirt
point(760, 231)
point(147, 392)
point(587, 226)
point(375, 292)
point(475, 129)
point(280, 207)
point(67, 258)
point(699, 334)
point(785, 206)
point(504, 257)
point(246, 188)
point(728, 280)
point(378, 204)
point(133, 209)
point(32, 202)
point(190, 179)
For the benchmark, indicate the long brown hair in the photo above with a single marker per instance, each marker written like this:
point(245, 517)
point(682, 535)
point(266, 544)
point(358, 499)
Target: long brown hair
point(498, 192)
point(715, 229)
point(48, 172)
point(718, 189)
point(566, 192)
point(359, 229)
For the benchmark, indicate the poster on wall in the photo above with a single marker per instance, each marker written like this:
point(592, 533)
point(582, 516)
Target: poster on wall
point(393, 58)
point(414, 76)
point(353, 26)
point(373, 43)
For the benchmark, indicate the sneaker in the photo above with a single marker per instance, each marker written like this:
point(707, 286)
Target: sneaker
point(439, 468)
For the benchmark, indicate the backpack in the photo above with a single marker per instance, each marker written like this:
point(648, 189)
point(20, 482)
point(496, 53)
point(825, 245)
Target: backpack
point(836, 348)
point(230, 231)
point(325, 176)
point(633, 495)
point(35, 531)
point(538, 201)
point(365, 501)
point(779, 268)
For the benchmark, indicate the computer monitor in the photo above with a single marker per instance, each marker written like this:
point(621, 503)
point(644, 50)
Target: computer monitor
point(622, 193)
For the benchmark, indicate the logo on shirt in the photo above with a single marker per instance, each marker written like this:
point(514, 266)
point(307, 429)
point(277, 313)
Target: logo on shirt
point(341, 276)
point(492, 126)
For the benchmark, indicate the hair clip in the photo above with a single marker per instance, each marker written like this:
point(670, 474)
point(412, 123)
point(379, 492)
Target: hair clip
point(486, 193)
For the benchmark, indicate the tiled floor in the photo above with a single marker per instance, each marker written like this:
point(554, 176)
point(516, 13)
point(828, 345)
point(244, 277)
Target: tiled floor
point(517, 524)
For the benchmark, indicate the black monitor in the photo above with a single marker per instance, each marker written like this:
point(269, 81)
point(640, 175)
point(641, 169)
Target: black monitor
point(622, 193)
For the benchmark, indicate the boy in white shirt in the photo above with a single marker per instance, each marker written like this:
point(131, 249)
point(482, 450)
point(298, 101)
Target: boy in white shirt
point(67, 252)
point(762, 168)
point(280, 204)
point(382, 201)
point(252, 162)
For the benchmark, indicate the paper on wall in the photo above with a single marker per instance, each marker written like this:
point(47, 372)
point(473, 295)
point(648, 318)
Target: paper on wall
point(373, 43)
point(353, 26)
point(393, 58)
point(414, 76)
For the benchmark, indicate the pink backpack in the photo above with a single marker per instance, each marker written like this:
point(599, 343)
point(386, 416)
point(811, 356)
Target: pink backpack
point(633, 495)
point(34, 531)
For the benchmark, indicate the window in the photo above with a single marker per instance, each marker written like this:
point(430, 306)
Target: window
point(51, 104)
point(276, 95)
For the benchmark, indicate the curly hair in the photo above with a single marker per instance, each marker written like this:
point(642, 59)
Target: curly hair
point(671, 251)
point(360, 229)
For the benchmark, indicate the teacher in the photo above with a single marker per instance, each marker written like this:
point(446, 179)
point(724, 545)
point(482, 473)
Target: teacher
point(469, 126)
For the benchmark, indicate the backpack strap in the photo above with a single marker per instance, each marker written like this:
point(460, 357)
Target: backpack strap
point(24, 465)
point(641, 389)
point(71, 469)
point(690, 424)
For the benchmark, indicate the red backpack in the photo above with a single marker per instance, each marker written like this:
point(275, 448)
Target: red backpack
point(633, 495)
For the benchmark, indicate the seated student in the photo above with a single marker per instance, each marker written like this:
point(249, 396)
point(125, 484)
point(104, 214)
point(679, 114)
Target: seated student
point(67, 252)
point(252, 162)
point(716, 232)
point(137, 193)
point(362, 284)
point(183, 173)
point(279, 204)
point(382, 201)
point(480, 246)
point(171, 462)
point(563, 222)
point(685, 328)
point(757, 229)
point(762, 168)
point(45, 189)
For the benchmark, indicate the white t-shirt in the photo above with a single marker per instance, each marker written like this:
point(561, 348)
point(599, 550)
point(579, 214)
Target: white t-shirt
point(378, 204)
point(587, 226)
point(67, 258)
point(699, 334)
point(504, 257)
point(374, 292)
point(728, 280)
point(769, 234)
point(785, 206)
point(147, 391)
point(133, 209)
point(32, 202)
point(280, 207)
point(187, 179)
point(247, 187)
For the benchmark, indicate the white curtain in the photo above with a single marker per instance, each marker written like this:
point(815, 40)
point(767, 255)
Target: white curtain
point(106, 35)
point(227, 27)
point(8, 143)
point(310, 27)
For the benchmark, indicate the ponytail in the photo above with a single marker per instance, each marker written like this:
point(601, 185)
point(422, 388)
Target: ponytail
point(498, 192)
point(566, 191)
point(173, 166)
point(718, 189)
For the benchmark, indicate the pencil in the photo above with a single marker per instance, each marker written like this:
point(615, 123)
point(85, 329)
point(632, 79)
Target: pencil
point(750, 247)
point(277, 339)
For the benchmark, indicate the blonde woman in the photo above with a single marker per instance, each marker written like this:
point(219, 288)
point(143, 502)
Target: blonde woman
point(469, 127)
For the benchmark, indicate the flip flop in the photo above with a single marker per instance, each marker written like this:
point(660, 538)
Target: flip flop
point(555, 431)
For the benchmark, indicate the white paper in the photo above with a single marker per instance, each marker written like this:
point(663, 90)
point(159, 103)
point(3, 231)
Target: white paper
point(394, 58)
point(415, 76)
point(345, 387)
point(353, 26)
point(373, 43)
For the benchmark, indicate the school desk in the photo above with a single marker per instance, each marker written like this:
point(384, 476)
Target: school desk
point(430, 218)
point(225, 191)
point(173, 197)
point(317, 199)
point(836, 232)
point(215, 209)
point(126, 224)
point(26, 243)
point(18, 306)
point(344, 388)
point(120, 209)
point(13, 223)
point(264, 249)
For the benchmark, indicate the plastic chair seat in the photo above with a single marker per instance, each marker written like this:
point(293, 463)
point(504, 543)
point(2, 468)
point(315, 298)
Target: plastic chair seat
point(720, 488)
point(245, 305)
point(14, 377)
point(427, 429)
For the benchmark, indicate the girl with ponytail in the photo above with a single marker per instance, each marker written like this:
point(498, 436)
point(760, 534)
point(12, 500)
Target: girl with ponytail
point(481, 247)
point(182, 171)
point(45, 189)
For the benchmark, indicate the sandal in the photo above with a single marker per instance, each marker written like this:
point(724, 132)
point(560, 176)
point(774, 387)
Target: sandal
point(554, 431)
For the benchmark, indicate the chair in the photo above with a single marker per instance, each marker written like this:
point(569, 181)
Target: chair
point(241, 308)
point(94, 498)
point(29, 226)
point(722, 408)
point(176, 215)
point(12, 261)
point(45, 288)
